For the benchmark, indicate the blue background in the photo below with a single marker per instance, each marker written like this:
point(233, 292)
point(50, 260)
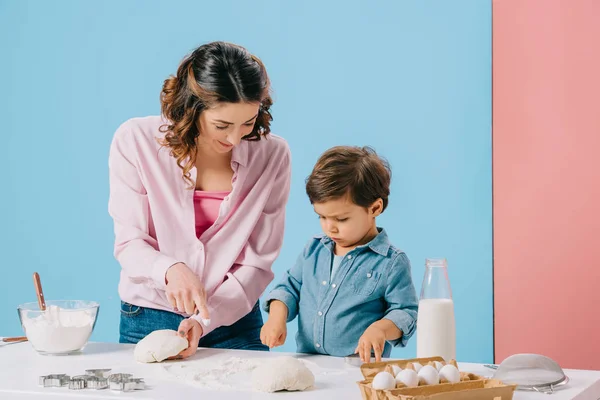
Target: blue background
point(410, 78)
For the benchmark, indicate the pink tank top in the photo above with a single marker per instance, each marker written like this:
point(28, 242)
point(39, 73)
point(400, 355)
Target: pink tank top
point(206, 207)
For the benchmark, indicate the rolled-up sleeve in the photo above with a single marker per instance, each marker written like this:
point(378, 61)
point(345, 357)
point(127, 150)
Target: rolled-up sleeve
point(251, 273)
point(401, 298)
point(288, 289)
point(136, 251)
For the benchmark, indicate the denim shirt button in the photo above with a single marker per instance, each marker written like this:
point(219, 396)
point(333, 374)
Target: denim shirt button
point(319, 313)
point(317, 345)
point(369, 275)
point(333, 285)
point(324, 283)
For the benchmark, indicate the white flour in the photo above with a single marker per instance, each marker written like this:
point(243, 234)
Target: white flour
point(226, 375)
point(233, 373)
point(58, 330)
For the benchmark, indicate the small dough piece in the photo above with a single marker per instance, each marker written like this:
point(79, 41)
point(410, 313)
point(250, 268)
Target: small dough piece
point(159, 345)
point(282, 373)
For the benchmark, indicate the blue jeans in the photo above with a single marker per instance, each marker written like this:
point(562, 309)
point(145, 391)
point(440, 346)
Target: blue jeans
point(137, 322)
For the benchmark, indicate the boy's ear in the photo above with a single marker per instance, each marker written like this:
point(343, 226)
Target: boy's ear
point(377, 207)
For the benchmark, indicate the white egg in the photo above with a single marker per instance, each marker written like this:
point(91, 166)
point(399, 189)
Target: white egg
point(429, 375)
point(384, 381)
point(408, 377)
point(438, 365)
point(417, 366)
point(450, 373)
point(396, 369)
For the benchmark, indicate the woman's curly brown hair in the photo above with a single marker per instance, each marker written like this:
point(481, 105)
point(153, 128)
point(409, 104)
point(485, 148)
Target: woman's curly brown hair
point(214, 72)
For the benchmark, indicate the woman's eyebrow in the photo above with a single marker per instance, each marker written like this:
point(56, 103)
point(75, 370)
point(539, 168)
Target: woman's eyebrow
point(231, 123)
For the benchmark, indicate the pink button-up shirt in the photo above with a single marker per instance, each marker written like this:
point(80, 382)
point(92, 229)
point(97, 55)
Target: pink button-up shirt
point(154, 221)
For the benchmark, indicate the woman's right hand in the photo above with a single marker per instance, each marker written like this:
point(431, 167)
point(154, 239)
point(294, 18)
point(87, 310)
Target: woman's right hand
point(185, 291)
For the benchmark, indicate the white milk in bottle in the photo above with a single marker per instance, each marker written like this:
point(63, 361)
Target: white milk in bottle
point(436, 330)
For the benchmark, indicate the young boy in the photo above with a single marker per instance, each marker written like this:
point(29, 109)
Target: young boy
point(350, 288)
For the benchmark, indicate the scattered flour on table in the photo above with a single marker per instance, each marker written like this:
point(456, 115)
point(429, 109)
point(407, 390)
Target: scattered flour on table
point(224, 375)
point(233, 373)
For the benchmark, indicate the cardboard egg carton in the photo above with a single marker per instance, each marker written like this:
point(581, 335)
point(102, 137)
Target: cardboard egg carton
point(471, 386)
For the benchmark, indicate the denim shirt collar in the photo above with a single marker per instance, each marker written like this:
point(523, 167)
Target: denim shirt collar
point(380, 244)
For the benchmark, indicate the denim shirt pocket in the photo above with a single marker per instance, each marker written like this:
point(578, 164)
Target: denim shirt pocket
point(130, 310)
point(365, 281)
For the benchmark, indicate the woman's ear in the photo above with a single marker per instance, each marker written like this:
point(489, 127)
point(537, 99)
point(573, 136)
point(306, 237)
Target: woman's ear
point(376, 208)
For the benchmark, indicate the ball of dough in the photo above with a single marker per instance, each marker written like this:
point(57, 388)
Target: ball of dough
point(408, 377)
point(159, 345)
point(282, 373)
point(384, 381)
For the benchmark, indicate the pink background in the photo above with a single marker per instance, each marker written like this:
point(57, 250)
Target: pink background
point(546, 144)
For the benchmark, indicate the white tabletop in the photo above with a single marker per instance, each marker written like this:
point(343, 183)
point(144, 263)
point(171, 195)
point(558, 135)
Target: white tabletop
point(21, 366)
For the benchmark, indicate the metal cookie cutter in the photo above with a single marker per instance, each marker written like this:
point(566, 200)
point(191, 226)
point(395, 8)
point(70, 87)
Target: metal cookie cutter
point(54, 380)
point(119, 377)
point(96, 382)
point(78, 382)
point(127, 384)
point(100, 373)
point(139, 383)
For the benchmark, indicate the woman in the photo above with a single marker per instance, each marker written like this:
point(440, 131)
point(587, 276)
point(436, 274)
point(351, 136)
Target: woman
point(198, 200)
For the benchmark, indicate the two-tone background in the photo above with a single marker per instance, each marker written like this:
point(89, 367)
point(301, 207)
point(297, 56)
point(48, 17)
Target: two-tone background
point(510, 200)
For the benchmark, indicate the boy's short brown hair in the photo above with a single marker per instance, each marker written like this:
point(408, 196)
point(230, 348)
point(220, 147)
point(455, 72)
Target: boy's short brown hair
point(349, 170)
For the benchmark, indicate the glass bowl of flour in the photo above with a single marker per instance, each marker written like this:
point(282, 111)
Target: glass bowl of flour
point(63, 328)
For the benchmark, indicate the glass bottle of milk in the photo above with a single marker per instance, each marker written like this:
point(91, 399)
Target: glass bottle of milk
point(436, 330)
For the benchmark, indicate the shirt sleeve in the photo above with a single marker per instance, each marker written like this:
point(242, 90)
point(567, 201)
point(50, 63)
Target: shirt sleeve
point(251, 274)
point(134, 248)
point(401, 298)
point(288, 289)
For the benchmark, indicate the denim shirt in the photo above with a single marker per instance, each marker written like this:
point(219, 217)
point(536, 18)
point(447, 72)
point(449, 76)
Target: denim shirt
point(373, 281)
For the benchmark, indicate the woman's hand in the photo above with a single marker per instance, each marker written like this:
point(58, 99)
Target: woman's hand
point(185, 292)
point(192, 331)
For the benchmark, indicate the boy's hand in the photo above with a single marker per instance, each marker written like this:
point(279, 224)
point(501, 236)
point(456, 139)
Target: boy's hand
point(273, 332)
point(373, 338)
